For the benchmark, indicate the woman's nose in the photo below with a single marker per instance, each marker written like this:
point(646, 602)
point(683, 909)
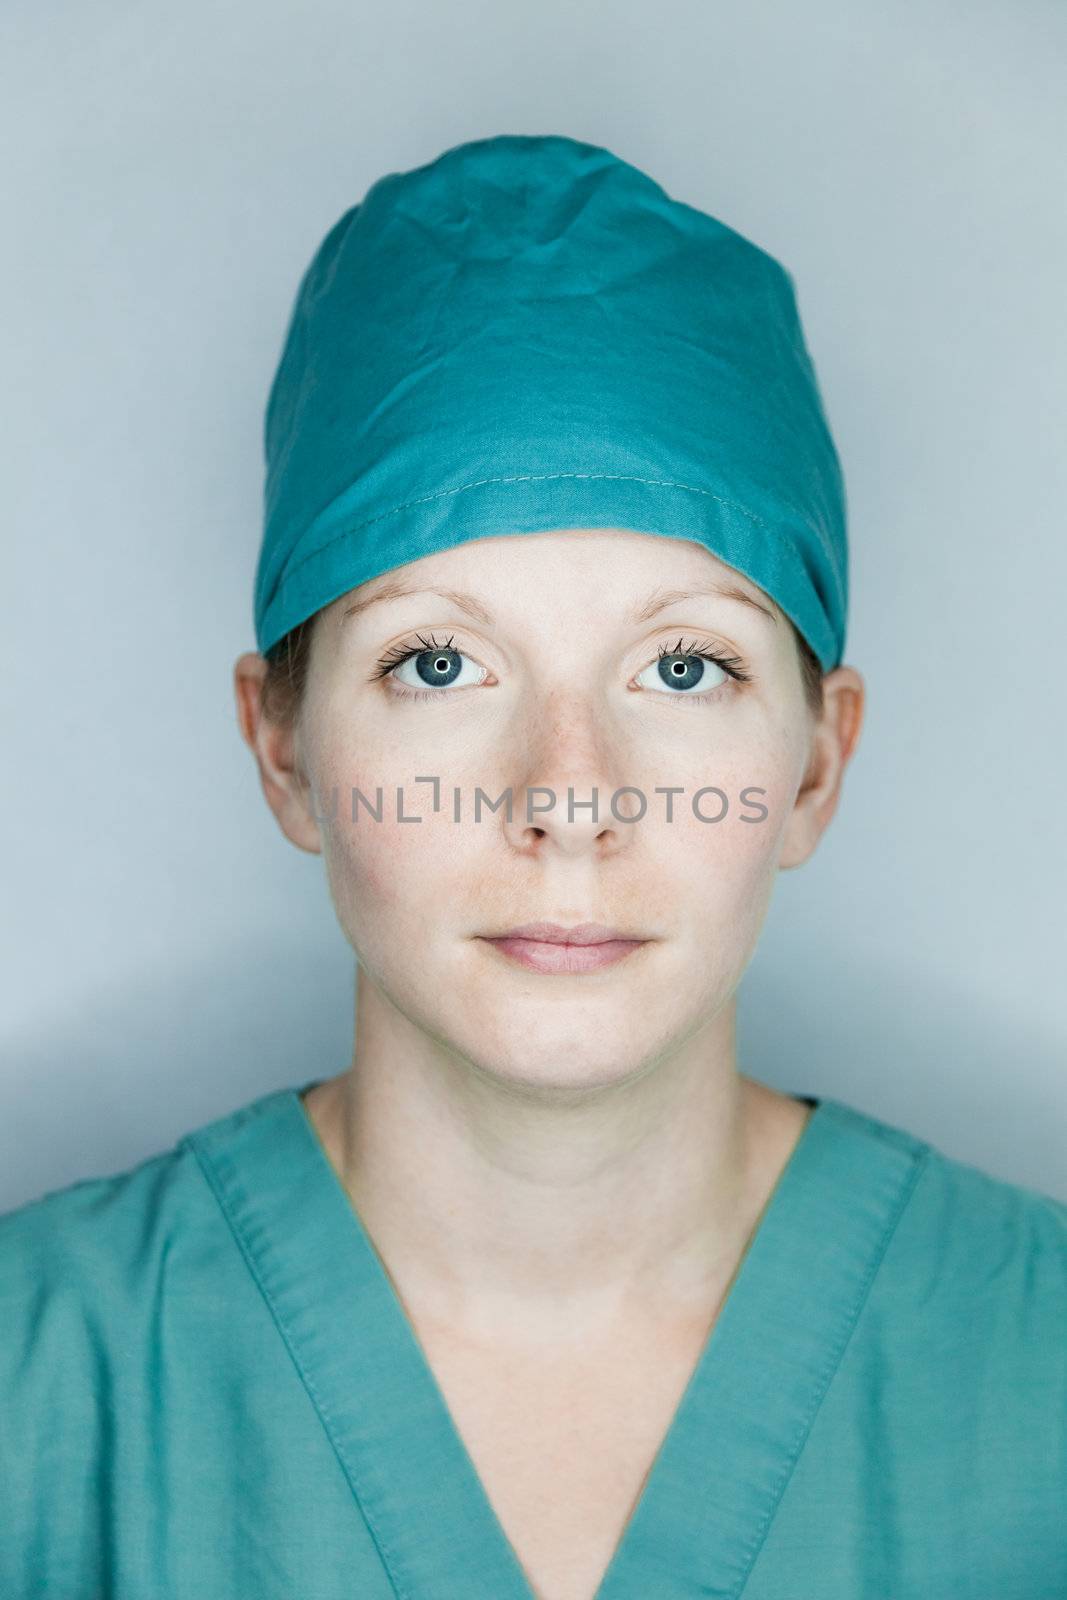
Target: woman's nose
point(568, 784)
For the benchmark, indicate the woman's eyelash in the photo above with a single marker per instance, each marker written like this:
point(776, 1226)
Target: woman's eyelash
point(733, 665)
point(403, 652)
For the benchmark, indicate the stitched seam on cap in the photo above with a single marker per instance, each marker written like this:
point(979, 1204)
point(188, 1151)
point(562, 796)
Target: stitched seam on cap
point(529, 477)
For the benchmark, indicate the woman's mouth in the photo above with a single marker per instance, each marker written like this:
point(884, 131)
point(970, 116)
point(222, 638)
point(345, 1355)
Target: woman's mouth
point(550, 947)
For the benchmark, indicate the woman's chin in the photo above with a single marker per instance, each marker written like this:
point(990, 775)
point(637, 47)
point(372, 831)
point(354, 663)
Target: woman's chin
point(573, 1054)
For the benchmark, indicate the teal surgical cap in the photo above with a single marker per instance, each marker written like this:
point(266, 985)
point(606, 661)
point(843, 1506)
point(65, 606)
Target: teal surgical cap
point(529, 334)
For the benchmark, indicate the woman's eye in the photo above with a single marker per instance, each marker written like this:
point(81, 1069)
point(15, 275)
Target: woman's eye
point(442, 668)
point(682, 672)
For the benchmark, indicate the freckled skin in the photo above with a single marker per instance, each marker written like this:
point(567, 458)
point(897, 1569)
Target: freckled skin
point(559, 707)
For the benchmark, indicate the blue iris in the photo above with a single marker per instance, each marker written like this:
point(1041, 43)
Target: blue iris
point(681, 671)
point(438, 668)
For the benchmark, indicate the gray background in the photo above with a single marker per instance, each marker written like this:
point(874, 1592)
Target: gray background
point(167, 954)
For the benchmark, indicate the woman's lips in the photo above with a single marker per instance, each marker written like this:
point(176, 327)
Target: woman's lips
point(541, 955)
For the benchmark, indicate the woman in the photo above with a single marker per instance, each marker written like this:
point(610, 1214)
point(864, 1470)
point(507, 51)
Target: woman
point(542, 1296)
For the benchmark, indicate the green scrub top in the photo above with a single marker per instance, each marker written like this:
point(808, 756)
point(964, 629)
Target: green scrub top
point(209, 1388)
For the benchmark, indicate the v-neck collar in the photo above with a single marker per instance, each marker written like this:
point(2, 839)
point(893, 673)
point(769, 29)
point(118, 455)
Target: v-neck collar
point(736, 1434)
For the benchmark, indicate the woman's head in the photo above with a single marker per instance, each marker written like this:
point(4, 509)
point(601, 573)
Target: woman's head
point(502, 369)
point(564, 661)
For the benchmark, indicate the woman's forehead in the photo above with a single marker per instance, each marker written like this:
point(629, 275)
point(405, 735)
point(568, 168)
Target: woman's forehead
point(627, 570)
point(605, 578)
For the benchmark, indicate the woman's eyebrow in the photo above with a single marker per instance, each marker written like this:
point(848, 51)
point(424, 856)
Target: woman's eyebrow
point(662, 598)
point(658, 601)
point(397, 590)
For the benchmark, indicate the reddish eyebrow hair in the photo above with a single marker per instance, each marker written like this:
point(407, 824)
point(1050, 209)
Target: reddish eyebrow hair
point(397, 589)
point(727, 591)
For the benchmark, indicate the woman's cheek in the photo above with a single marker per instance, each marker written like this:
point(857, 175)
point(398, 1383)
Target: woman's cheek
point(379, 867)
point(736, 808)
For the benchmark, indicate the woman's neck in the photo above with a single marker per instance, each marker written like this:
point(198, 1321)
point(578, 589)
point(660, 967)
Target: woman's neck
point(512, 1210)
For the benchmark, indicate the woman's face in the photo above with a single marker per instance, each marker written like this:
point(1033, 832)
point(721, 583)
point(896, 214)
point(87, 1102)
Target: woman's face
point(536, 667)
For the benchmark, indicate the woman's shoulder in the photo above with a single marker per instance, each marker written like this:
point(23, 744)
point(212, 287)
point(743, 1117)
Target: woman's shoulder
point(123, 1300)
point(967, 1245)
point(80, 1254)
point(973, 1194)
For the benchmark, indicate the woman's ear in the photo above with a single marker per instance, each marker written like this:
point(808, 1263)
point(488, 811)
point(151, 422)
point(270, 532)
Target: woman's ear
point(833, 741)
point(274, 745)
